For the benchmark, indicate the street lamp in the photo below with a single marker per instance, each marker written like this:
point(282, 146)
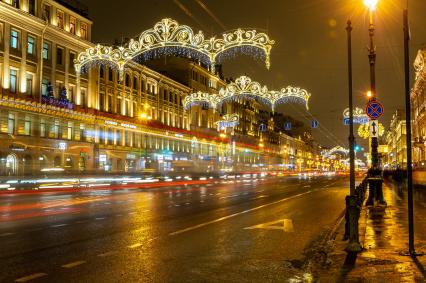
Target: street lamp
point(371, 94)
point(371, 4)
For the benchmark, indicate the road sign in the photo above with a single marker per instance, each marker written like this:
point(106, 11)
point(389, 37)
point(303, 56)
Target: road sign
point(314, 124)
point(287, 126)
point(262, 128)
point(374, 129)
point(374, 109)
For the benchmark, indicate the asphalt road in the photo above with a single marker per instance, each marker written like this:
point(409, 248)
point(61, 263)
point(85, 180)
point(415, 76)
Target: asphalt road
point(230, 231)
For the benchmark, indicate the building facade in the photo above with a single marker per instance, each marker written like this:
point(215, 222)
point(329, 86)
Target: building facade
point(396, 142)
point(52, 121)
point(418, 107)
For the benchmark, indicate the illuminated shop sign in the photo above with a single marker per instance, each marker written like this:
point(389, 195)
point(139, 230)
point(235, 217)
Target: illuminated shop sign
point(125, 125)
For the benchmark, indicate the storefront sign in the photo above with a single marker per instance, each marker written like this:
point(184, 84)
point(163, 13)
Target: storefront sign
point(62, 146)
point(102, 158)
point(131, 156)
point(128, 126)
point(111, 123)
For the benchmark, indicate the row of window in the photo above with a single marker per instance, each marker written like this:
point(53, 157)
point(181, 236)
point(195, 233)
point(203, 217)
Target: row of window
point(59, 18)
point(60, 22)
point(15, 43)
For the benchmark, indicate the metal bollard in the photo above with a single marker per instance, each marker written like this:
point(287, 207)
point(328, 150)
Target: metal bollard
point(353, 208)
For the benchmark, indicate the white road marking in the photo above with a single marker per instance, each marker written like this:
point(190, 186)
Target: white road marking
point(30, 277)
point(235, 214)
point(6, 234)
point(307, 186)
point(108, 253)
point(133, 212)
point(73, 264)
point(134, 246)
point(261, 196)
point(118, 215)
point(99, 218)
point(58, 225)
point(283, 224)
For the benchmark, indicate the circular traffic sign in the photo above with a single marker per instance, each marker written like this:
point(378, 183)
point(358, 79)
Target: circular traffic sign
point(374, 109)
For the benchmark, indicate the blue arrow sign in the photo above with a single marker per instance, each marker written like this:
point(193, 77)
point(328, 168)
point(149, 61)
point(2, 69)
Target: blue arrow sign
point(287, 126)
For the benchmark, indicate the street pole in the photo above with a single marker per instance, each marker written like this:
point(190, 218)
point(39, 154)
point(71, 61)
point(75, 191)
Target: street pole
point(352, 207)
point(351, 114)
point(372, 61)
point(411, 249)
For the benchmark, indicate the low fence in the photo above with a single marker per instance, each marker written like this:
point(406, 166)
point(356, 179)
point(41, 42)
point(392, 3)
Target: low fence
point(353, 210)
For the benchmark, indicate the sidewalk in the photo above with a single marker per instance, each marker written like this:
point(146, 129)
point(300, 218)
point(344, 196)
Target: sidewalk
point(384, 235)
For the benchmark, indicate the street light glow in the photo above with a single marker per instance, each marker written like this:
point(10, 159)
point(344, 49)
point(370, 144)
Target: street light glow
point(369, 94)
point(371, 4)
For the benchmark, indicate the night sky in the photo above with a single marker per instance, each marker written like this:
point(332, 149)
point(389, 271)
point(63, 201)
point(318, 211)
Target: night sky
point(310, 49)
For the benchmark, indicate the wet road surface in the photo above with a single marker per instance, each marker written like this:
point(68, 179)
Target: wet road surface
point(227, 231)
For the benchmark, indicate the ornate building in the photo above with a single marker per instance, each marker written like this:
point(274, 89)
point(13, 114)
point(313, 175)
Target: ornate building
point(418, 106)
point(396, 156)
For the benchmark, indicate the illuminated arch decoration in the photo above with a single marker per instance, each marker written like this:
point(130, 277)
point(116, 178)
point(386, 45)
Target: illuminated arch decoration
point(228, 121)
point(200, 99)
point(364, 131)
point(245, 87)
point(167, 37)
point(334, 150)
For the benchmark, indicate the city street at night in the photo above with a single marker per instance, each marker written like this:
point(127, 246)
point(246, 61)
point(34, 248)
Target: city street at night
point(236, 230)
point(212, 141)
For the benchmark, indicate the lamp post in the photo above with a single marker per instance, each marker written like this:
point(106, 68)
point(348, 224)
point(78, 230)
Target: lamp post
point(351, 201)
point(371, 5)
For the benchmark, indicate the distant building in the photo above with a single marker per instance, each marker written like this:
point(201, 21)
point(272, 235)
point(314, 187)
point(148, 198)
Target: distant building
point(396, 157)
point(418, 108)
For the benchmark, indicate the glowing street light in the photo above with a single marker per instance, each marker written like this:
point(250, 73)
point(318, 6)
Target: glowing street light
point(371, 4)
point(369, 94)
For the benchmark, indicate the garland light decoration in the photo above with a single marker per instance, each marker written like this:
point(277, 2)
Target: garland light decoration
point(334, 150)
point(364, 131)
point(228, 121)
point(245, 87)
point(167, 37)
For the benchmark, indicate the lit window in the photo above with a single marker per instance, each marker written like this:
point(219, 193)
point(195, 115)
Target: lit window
point(13, 80)
point(46, 51)
point(44, 87)
point(30, 45)
point(83, 30)
point(11, 124)
point(60, 19)
point(14, 39)
point(72, 25)
point(29, 84)
point(42, 128)
point(70, 130)
point(27, 126)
